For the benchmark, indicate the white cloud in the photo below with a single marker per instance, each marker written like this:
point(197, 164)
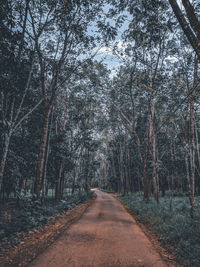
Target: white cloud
point(119, 47)
point(106, 50)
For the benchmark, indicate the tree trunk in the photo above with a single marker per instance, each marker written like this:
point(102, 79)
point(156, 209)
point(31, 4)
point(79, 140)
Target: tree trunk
point(197, 143)
point(185, 27)
point(113, 168)
point(58, 183)
point(192, 159)
point(186, 163)
point(74, 181)
point(194, 23)
point(41, 157)
point(44, 181)
point(46, 189)
point(121, 170)
point(147, 191)
point(4, 157)
point(152, 142)
point(192, 140)
point(171, 191)
point(126, 164)
point(155, 177)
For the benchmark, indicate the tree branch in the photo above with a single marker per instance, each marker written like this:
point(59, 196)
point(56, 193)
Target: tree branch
point(26, 115)
point(185, 27)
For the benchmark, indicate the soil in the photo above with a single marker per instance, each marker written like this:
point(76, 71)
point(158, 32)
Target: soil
point(99, 233)
point(37, 240)
point(106, 235)
point(166, 252)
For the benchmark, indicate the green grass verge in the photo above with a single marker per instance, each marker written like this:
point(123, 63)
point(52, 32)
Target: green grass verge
point(174, 228)
point(31, 214)
point(107, 190)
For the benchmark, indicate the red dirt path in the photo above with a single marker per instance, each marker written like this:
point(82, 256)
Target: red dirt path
point(106, 235)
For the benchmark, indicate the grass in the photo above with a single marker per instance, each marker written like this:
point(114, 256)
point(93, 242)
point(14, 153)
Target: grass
point(107, 190)
point(31, 214)
point(174, 227)
point(50, 195)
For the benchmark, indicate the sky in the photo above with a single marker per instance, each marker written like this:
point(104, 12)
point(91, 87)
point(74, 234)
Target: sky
point(105, 53)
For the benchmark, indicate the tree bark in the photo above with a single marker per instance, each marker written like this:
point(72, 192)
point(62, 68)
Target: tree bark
point(192, 140)
point(195, 24)
point(44, 181)
point(147, 191)
point(74, 181)
point(192, 158)
point(58, 183)
point(197, 143)
point(185, 27)
point(152, 142)
point(4, 157)
point(41, 157)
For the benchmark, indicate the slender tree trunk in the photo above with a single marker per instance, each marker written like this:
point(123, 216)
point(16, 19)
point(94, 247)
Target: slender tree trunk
point(192, 139)
point(197, 143)
point(58, 183)
point(46, 189)
point(74, 181)
point(113, 165)
point(129, 169)
point(152, 142)
point(106, 167)
point(171, 191)
point(26, 187)
point(186, 28)
point(147, 191)
point(155, 176)
point(41, 157)
point(126, 163)
point(192, 159)
point(44, 182)
point(121, 169)
point(62, 183)
point(4, 157)
point(87, 170)
point(194, 23)
point(186, 163)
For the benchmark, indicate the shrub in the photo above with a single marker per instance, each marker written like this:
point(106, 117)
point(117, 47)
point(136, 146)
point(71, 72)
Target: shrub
point(31, 214)
point(173, 227)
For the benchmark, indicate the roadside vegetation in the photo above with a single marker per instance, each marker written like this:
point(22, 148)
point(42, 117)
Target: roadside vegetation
point(175, 229)
point(70, 120)
point(29, 214)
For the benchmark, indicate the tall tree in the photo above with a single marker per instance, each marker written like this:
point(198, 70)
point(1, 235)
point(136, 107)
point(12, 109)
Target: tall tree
point(17, 63)
point(191, 29)
point(65, 28)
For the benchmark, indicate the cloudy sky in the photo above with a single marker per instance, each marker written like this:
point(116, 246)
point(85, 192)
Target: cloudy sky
point(105, 53)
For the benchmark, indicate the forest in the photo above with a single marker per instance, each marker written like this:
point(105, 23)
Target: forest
point(101, 94)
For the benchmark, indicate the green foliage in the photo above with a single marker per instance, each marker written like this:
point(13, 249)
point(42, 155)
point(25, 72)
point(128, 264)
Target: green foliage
point(108, 190)
point(32, 215)
point(88, 140)
point(173, 227)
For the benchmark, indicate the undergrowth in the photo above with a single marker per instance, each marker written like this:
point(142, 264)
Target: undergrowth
point(31, 214)
point(108, 190)
point(174, 227)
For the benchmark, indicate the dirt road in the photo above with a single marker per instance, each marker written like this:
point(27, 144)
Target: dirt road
point(106, 235)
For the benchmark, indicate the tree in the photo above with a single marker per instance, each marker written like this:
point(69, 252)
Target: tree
point(191, 30)
point(17, 65)
point(65, 28)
